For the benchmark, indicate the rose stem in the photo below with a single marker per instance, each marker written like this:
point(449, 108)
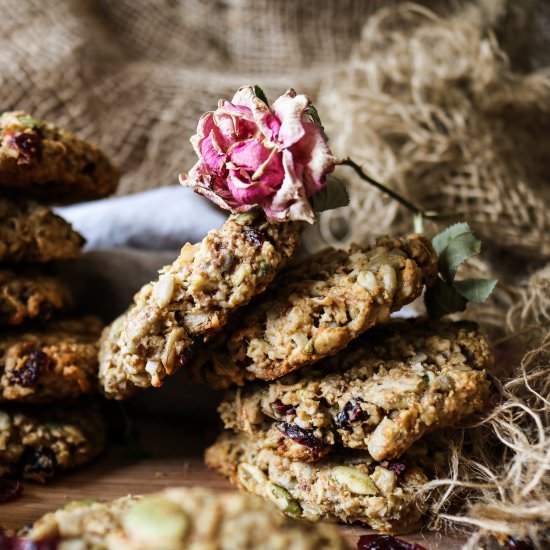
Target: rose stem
point(419, 214)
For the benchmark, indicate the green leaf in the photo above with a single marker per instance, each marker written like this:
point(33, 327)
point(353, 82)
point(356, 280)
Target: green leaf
point(442, 299)
point(27, 121)
point(260, 94)
point(333, 195)
point(312, 112)
point(458, 250)
point(246, 218)
point(475, 290)
point(442, 240)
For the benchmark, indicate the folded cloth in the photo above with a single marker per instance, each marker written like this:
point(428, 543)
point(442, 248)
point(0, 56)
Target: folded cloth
point(161, 219)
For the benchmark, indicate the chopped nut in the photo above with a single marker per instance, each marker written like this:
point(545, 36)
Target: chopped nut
point(384, 479)
point(163, 290)
point(367, 279)
point(156, 522)
point(153, 367)
point(250, 476)
point(389, 278)
point(355, 480)
point(283, 500)
point(187, 253)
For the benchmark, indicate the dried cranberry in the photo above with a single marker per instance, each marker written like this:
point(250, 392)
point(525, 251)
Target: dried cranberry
point(300, 435)
point(89, 168)
point(386, 542)
point(519, 544)
point(255, 236)
point(38, 464)
point(20, 543)
point(397, 467)
point(28, 374)
point(188, 351)
point(29, 146)
point(351, 412)
point(281, 409)
point(10, 489)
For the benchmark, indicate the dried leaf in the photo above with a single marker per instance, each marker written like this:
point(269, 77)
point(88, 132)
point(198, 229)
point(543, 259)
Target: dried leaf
point(260, 94)
point(442, 240)
point(457, 251)
point(333, 195)
point(442, 299)
point(475, 290)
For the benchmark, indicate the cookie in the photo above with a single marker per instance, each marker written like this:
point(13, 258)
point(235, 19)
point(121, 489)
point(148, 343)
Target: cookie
point(192, 300)
point(182, 519)
point(30, 296)
point(30, 232)
point(317, 308)
point(381, 394)
point(58, 362)
point(40, 160)
point(349, 487)
point(37, 444)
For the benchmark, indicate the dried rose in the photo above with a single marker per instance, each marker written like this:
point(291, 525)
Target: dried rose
point(251, 155)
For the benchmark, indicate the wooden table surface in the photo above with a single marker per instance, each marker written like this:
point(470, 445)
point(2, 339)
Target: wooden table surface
point(172, 456)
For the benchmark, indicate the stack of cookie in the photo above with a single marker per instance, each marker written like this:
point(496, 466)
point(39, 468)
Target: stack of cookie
point(47, 361)
point(326, 415)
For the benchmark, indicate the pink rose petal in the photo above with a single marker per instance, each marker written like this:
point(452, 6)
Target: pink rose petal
point(213, 156)
point(251, 154)
point(289, 109)
point(313, 153)
point(247, 191)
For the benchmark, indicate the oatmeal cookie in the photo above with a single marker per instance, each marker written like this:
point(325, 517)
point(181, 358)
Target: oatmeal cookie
point(349, 487)
point(30, 296)
point(39, 160)
point(56, 363)
point(192, 300)
point(30, 232)
point(381, 394)
point(182, 519)
point(317, 308)
point(37, 444)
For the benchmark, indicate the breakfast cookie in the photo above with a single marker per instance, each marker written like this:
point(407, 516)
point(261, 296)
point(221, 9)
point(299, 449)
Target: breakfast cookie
point(30, 296)
point(348, 487)
point(182, 519)
point(30, 232)
point(317, 308)
point(381, 394)
point(192, 300)
point(39, 160)
point(57, 362)
point(37, 444)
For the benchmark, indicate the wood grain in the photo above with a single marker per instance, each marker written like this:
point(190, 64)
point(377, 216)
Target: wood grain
point(172, 456)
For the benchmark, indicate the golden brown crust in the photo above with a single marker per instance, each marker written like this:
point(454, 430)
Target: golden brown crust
point(38, 444)
point(349, 487)
point(32, 233)
point(192, 300)
point(317, 308)
point(30, 296)
point(181, 519)
point(58, 362)
point(381, 394)
point(40, 160)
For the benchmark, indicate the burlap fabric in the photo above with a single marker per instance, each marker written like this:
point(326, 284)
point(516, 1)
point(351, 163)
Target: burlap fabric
point(440, 108)
point(135, 75)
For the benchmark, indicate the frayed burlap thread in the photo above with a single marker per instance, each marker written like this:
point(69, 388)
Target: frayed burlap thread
point(497, 478)
point(432, 107)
